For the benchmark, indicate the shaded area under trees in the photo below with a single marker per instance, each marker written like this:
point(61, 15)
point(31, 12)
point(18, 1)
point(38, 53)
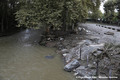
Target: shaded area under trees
point(7, 16)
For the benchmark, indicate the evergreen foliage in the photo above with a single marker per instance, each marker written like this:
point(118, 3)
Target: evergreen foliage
point(56, 13)
point(110, 14)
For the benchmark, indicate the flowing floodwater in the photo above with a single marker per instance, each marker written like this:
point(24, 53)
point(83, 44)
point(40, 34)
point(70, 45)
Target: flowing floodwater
point(22, 59)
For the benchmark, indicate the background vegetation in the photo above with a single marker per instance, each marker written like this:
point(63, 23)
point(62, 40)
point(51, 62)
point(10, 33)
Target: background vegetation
point(112, 11)
point(58, 14)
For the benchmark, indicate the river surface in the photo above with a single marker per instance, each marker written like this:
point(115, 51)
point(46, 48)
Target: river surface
point(22, 59)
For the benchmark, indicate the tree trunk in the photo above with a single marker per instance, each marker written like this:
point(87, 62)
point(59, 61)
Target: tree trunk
point(2, 20)
point(73, 27)
point(6, 17)
point(64, 16)
point(2, 24)
point(6, 22)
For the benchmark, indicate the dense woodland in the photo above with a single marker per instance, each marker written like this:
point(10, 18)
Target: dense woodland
point(58, 14)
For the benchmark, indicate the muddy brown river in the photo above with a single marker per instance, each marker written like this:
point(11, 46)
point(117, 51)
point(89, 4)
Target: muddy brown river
point(22, 59)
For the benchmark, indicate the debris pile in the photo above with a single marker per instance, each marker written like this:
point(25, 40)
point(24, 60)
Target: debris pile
point(87, 58)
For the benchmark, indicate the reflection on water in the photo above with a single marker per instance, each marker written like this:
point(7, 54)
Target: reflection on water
point(21, 60)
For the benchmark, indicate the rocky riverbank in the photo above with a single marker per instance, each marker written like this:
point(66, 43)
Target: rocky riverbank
point(87, 57)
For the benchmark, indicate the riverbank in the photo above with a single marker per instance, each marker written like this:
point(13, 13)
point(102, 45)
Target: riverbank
point(88, 54)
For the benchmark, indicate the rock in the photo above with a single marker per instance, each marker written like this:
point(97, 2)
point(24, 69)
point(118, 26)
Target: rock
point(72, 65)
point(64, 55)
point(88, 31)
point(80, 67)
point(97, 53)
point(85, 42)
point(94, 39)
point(48, 39)
point(85, 73)
point(64, 51)
point(61, 39)
point(67, 57)
point(91, 66)
point(87, 50)
point(80, 29)
point(98, 46)
point(109, 33)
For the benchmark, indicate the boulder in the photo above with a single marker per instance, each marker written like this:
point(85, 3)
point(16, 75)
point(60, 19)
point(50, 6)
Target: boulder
point(72, 65)
point(87, 50)
point(109, 33)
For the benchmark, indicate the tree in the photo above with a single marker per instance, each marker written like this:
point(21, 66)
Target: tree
point(109, 9)
point(32, 13)
point(118, 7)
point(56, 13)
point(110, 14)
point(96, 15)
